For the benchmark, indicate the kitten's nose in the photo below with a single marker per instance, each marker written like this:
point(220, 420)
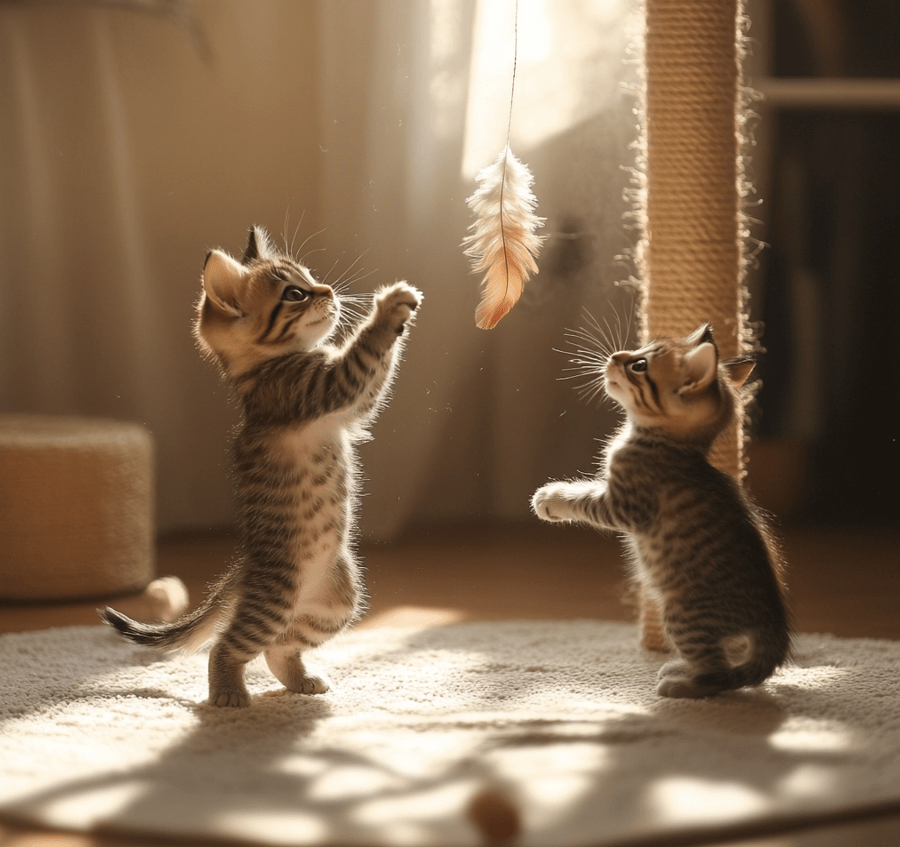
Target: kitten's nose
point(619, 358)
point(323, 290)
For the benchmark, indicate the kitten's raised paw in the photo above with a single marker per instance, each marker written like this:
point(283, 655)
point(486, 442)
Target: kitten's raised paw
point(549, 504)
point(396, 303)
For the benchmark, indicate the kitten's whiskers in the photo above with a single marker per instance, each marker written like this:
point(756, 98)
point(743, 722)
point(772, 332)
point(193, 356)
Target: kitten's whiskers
point(592, 346)
point(289, 249)
point(302, 259)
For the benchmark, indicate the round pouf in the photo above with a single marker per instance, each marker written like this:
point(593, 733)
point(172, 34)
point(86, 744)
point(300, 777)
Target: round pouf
point(76, 507)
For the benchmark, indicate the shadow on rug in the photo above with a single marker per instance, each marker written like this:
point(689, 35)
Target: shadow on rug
point(443, 735)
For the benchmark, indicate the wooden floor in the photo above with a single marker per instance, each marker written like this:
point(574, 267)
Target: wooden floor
point(842, 581)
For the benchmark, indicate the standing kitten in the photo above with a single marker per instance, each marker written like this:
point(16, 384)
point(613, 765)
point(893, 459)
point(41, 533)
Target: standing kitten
point(295, 582)
point(700, 550)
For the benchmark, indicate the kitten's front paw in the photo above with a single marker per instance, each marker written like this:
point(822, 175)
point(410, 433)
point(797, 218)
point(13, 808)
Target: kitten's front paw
point(229, 697)
point(550, 504)
point(396, 303)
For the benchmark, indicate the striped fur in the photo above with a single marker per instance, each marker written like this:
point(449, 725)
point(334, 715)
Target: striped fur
point(701, 553)
point(295, 581)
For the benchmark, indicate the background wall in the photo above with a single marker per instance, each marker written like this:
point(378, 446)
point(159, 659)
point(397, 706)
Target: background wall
point(129, 148)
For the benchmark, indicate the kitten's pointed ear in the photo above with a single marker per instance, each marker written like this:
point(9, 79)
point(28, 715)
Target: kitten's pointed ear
point(223, 279)
point(700, 365)
point(258, 246)
point(702, 335)
point(739, 370)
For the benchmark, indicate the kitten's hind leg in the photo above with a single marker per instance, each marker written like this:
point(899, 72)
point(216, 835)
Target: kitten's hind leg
point(676, 680)
point(286, 664)
point(653, 634)
point(226, 677)
point(306, 632)
point(692, 679)
point(327, 609)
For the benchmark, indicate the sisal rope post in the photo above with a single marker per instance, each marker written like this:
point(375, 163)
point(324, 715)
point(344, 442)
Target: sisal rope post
point(692, 256)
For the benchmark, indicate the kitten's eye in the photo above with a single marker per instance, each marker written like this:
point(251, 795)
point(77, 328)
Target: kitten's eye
point(294, 294)
point(639, 366)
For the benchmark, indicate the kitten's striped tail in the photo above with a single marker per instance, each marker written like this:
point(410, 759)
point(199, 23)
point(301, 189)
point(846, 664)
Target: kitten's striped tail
point(190, 632)
point(758, 668)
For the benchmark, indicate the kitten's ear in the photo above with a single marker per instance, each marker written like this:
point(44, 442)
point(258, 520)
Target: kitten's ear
point(223, 279)
point(258, 246)
point(702, 335)
point(739, 370)
point(700, 365)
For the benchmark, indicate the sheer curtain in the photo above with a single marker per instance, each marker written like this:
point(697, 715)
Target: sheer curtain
point(133, 143)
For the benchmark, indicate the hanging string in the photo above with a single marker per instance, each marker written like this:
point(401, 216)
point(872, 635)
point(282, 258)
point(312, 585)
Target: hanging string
point(512, 95)
point(512, 87)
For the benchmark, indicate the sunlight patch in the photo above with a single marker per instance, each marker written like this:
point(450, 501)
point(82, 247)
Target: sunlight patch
point(294, 827)
point(809, 781)
point(84, 808)
point(561, 47)
point(560, 776)
point(795, 738)
point(689, 799)
point(418, 817)
point(351, 781)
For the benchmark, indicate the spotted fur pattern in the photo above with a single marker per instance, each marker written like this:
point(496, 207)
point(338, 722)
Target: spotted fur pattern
point(701, 552)
point(295, 581)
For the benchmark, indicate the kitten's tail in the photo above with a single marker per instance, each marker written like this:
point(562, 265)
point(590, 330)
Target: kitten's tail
point(189, 632)
point(764, 660)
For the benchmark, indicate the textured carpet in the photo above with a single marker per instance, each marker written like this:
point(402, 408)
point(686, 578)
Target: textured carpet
point(443, 735)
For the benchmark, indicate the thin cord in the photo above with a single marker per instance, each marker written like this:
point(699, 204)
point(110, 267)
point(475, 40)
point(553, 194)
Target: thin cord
point(512, 93)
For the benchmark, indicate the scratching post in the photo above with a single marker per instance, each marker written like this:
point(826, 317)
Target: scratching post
point(691, 256)
point(692, 252)
point(76, 507)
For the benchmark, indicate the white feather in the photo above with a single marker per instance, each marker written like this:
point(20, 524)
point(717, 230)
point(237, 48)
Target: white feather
point(502, 241)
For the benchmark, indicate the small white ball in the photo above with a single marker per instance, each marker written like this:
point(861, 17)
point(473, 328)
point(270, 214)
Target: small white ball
point(168, 597)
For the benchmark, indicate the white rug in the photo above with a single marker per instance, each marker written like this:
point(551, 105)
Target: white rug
point(554, 725)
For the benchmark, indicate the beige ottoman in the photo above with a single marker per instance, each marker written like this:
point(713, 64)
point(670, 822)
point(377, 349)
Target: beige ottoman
point(76, 507)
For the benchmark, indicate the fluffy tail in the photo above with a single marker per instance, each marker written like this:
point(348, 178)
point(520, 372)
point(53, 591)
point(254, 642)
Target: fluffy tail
point(189, 632)
point(764, 661)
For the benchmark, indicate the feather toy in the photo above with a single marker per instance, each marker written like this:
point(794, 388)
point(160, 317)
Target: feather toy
point(502, 243)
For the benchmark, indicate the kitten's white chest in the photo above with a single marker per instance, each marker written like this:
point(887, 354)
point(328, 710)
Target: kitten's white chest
point(319, 458)
point(298, 445)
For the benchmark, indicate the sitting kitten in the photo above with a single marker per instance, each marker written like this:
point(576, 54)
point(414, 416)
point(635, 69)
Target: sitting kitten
point(700, 550)
point(295, 582)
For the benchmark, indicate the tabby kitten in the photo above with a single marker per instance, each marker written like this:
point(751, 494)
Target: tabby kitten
point(295, 581)
point(700, 550)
